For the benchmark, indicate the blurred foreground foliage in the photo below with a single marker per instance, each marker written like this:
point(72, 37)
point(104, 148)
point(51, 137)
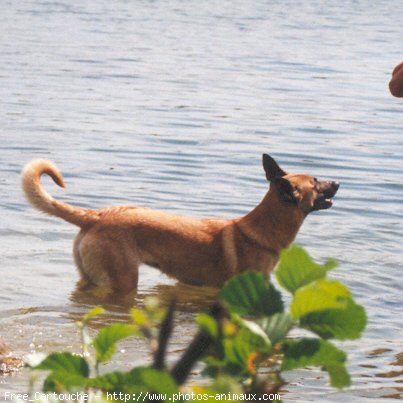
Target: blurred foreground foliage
point(244, 341)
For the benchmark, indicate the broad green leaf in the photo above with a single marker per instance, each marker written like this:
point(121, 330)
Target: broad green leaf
point(141, 379)
point(252, 294)
point(68, 371)
point(345, 323)
point(310, 352)
point(296, 268)
point(318, 296)
point(65, 362)
point(105, 341)
point(277, 326)
point(317, 352)
point(93, 312)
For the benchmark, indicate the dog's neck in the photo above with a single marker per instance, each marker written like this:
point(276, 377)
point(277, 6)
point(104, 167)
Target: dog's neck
point(273, 221)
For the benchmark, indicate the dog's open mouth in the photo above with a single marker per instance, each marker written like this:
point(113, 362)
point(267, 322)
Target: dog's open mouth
point(326, 190)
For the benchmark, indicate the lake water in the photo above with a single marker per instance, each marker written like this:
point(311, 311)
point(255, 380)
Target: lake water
point(170, 105)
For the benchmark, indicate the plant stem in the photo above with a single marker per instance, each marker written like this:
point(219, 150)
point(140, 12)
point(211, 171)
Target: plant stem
point(196, 349)
point(163, 337)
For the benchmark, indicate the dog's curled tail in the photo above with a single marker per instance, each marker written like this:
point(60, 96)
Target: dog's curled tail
point(43, 201)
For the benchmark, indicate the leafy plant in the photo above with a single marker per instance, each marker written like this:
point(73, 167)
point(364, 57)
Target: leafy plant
point(248, 327)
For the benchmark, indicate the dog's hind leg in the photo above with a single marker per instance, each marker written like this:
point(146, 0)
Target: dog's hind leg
point(105, 264)
point(84, 281)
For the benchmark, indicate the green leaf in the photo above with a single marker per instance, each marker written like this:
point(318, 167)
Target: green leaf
point(310, 352)
point(252, 294)
point(277, 326)
point(339, 377)
point(105, 341)
point(318, 296)
point(225, 384)
point(68, 371)
point(65, 362)
point(141, 379)
point(222, 385)
point(208, 324)
point(254, 336)
point(317, 352)
point(346, 323)
point(154, 380)
point(240, 350)
point(114, 382)
point(60, 381)
point(92, 313)
point(296, 268)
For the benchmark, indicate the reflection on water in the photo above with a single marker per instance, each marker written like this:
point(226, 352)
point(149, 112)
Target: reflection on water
point(188, 300)
point(187, 297)
point(170, 105)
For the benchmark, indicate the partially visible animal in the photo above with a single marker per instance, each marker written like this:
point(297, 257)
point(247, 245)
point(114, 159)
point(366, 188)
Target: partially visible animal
point(396, 83)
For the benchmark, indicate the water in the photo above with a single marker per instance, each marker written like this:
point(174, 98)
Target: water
point(170, 105)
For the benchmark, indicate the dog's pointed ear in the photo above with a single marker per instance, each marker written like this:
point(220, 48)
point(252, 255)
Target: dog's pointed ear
point(271, 168)
point(285, 190)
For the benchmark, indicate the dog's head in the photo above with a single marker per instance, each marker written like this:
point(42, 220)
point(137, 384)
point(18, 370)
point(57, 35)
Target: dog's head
point(305, 191)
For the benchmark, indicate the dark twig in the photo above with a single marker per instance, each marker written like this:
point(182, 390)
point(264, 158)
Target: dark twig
point(196, 349)
point(163, 336)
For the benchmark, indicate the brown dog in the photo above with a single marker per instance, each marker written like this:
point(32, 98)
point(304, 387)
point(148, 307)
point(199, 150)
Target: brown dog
point(113, 241)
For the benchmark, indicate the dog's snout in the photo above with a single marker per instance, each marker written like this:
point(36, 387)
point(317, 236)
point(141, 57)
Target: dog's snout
point(330, 189)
